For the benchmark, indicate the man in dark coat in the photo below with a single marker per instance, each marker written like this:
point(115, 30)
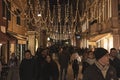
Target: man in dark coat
point(63, 61)
point(114, 61)
point(42, 69)
point(100, 70)
point(27, 67)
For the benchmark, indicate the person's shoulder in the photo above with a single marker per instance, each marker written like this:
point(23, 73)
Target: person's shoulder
point(116, 58)
point(23, 60)
point(112, 67)
point(91, 68)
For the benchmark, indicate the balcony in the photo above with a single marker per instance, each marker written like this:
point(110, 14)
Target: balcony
point(95, 29)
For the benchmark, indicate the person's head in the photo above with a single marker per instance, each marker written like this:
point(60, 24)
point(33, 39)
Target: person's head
point(85, 55)
point(60, 49)
point(90, 54)
point(48, 58)
point(12, 55)
point(102, 56)
point(28, 54)
point(44, 52)
point(113, 52)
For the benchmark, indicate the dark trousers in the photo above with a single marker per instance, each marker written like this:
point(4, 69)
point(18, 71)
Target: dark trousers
point(63, 73)
point(75, 71)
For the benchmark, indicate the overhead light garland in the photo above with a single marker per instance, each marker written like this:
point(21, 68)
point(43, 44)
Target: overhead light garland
point(59, 23)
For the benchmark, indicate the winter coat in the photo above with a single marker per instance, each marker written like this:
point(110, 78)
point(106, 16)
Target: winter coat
point(87, 63)
point(94, 73)
point(42, 69)
point(116, 64)
point(54, 71)
point(75, 66)
point(27, 69)
point(63, 60)
point(13, 72)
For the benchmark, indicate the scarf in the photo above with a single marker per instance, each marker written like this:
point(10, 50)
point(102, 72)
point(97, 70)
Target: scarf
point(103, 69)
point(91, 61)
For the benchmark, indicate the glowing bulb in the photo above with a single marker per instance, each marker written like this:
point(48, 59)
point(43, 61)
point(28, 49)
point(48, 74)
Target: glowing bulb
point(48, 39)
point(39, 15)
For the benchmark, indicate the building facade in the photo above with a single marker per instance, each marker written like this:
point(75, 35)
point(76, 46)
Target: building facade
point(100, 24)
point(12, 30)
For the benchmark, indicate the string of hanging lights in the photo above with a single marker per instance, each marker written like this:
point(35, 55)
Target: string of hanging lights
point(57, 19)
point(66, 29)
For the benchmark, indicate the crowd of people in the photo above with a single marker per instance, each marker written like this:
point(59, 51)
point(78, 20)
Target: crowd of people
point(102, 64)
point(97, 64)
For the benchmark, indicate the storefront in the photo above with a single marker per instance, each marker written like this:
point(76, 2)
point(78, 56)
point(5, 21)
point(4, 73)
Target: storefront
point(3, 47)
point(21, 46)
point(18, 45)
point(102, 40)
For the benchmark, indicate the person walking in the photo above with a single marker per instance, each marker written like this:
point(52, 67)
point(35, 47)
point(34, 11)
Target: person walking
point(42, 68)
point(100, 70)
point(75, 61)
point(114, 61)
point(52, 68)
point(63, 59)
point(27, 69)
point(13, 73)
point(75, 68)
point(88, 61)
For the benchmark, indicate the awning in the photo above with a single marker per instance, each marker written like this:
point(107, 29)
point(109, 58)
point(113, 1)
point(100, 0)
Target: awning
point(22, 42)
point(11, 39)
point(97, 37)
point(20, 39)
point(5, 37)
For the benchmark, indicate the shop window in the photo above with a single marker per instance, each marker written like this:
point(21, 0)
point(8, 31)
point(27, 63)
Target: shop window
point(8, 15)
point(93, 21)
point(18, 20)
point(6, 7)
point(8, 11)
point(118, 4)
point(17, 12)
point(119, 7)
point(3, 9)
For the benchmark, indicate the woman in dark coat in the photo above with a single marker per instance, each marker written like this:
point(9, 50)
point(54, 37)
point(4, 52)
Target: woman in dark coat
point(75, 67)
point(27, 67)
point(90, 59)
point(53, 68)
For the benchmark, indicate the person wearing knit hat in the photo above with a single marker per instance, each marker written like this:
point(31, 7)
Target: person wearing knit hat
point(100, 52)
point(100, 69)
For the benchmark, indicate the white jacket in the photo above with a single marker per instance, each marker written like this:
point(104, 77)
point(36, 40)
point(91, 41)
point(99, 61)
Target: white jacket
point(75, 56)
